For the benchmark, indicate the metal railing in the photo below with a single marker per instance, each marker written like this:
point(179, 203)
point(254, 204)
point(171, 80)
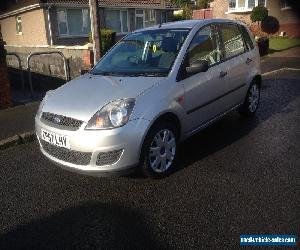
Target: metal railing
point(67, 73)
point(20, 69)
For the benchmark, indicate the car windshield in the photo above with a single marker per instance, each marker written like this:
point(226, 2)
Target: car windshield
point(145, 53)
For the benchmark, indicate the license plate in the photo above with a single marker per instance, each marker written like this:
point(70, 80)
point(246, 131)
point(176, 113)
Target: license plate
point(55, 139)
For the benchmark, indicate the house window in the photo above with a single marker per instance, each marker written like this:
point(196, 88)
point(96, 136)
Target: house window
point(139, 19)
point(73, 22)
point(19, 25)
point(285, 5)
point(149, 18)
point(163, 17)
point(144, 18)
point(251, 4)
point(117, 20)
point(241, 4)
point(244, 5)
point(261, 3)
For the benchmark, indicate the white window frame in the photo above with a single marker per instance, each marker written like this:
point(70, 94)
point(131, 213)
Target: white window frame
point(19, 21)
point(144, 16)
point(286, 6)
point(121, 21)
point(242, 9)
point(122, 31)
point(140, 15)
point(161, 16)
point(67, 24)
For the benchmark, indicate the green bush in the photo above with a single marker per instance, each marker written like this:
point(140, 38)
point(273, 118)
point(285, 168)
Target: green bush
point(203, 4)
point(258, 14)
point(108, 39)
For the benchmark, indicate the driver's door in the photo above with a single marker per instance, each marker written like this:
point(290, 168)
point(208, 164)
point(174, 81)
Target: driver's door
point(203, 91)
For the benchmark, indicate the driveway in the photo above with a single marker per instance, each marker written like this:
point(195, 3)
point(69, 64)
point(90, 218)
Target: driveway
point(278, 60)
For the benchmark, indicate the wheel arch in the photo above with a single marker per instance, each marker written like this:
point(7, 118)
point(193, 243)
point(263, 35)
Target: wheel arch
point(257, 79)
point(164, 117)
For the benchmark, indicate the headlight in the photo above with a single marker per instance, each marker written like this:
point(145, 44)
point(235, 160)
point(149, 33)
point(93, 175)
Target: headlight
point(113, 115)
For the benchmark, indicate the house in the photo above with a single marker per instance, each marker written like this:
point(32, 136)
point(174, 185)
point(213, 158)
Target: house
point(241, 10)
point(67, 22)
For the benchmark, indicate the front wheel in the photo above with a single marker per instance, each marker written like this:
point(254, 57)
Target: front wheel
point(252, 100)
point(159, 151)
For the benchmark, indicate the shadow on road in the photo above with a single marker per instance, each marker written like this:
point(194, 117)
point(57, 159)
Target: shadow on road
point(90, 226)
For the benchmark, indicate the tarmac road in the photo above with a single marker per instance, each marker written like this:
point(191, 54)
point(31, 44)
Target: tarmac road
point(240, 176)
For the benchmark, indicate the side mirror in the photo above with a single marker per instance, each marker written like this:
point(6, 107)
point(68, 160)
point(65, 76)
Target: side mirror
point(197, 67)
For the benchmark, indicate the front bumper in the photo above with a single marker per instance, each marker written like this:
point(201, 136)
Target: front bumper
point(127, 139)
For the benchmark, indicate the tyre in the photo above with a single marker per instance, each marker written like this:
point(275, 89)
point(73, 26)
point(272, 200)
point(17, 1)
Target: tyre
point(159, 150)
point(252, 100)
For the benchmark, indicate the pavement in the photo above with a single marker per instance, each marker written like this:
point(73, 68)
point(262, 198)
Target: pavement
point(17, 124)
point(239, 176)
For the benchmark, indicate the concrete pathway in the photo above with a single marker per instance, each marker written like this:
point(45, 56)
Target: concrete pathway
point(17, 124)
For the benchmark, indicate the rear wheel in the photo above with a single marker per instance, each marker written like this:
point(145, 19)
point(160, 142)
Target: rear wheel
point(252, 100)
point(159, 150)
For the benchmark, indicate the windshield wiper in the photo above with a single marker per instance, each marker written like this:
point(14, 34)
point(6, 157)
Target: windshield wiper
point(105, 73)
point(131, 74)
point(149, 74)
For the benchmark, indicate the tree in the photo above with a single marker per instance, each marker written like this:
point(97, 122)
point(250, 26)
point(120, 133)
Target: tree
point(270, 25)
point(258, 14)
point(185, 5)
point(181, 3)
point(203, 4)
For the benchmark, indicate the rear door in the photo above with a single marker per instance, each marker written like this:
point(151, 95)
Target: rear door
point(235, 62)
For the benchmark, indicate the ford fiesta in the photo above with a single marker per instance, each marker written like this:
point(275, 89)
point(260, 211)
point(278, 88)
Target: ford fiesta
point(153, 89)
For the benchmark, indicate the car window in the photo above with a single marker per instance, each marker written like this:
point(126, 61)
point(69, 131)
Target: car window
point(147, 53)
point(232, 40)
point(205, 46)
point(247, 38)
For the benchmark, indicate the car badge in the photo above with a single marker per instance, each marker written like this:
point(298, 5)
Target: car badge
point(57, 119)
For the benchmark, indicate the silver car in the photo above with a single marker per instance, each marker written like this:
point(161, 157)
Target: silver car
point(153, 89)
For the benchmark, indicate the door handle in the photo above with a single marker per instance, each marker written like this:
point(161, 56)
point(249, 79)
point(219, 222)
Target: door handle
point(222, 74)
point(248, 61)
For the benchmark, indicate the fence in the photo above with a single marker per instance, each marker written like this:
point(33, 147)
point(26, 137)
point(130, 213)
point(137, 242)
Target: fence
point(203, 14)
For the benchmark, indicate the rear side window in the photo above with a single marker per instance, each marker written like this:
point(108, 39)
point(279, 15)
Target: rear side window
point(247, 38)
point(232, 40)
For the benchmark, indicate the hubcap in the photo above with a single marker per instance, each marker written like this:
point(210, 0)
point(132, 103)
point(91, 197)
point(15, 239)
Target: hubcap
point(253, 98)
point(162, 151)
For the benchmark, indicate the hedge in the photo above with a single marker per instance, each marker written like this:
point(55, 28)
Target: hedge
point(108, 39)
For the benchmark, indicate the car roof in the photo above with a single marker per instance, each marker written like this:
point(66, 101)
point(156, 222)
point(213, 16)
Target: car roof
point(188, 24)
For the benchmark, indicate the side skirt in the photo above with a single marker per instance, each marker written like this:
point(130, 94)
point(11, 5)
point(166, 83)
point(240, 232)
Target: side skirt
point(213, 120)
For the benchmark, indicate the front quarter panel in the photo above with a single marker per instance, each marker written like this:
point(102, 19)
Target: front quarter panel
point(162, 98)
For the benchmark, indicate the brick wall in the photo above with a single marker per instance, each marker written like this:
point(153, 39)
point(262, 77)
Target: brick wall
point(5, 98)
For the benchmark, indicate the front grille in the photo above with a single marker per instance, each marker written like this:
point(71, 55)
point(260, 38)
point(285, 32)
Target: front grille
point(108, 158)
point(64, 154)
point(60, 120)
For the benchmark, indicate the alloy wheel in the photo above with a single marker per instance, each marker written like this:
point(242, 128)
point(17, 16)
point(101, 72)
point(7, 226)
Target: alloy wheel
point(253, 98)
point(162, 151)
